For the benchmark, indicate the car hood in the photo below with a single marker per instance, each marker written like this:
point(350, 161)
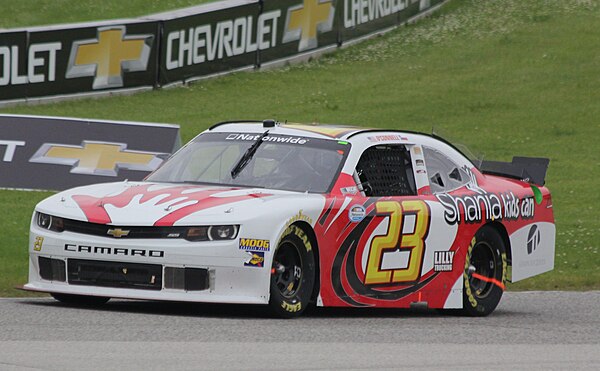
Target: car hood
point(161, 204)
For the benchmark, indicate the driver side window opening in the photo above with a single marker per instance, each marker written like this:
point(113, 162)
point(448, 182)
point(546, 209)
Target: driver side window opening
point(386, 170)
point(444, 174)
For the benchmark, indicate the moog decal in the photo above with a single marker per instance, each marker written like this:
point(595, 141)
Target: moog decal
point(254, 244)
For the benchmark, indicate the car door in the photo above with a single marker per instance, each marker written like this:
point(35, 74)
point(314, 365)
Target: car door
point(385, 254)
point(394, 255)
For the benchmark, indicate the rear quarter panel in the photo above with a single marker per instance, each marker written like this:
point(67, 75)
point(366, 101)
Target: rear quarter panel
point(531, 229)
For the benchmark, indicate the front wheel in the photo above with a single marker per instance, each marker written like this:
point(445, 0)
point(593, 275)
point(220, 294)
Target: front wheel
point(80, 300)
point(292, 274)
point(484, 276)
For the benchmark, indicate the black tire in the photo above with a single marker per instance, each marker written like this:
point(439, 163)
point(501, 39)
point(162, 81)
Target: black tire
point(485, 273)
point(80, 300)
point(292, 274)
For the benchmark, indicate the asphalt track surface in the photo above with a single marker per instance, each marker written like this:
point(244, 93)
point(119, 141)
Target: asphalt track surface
point(529, 330)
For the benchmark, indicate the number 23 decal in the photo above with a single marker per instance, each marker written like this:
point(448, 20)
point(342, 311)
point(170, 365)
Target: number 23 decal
point(413, 242)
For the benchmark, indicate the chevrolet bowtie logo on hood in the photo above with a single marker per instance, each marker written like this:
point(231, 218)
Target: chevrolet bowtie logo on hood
point(108, 56)
point(97, 158)
point(305, 21)
point(118, 233)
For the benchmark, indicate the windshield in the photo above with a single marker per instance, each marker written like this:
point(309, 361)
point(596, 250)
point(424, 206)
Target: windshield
point(281, 162)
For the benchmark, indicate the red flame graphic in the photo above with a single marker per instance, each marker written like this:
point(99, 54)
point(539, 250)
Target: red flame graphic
point(93, 207)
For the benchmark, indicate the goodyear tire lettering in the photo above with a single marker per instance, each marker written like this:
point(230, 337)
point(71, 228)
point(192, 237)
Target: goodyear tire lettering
point(292, 308)
point(294, 229)
point(289, 296)
point(470, 295)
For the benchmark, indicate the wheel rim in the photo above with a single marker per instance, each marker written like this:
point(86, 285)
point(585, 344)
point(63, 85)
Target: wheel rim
point(484, 261)
point(287, 270)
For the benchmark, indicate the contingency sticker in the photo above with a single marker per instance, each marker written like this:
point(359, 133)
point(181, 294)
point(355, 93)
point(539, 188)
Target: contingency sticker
point(37, 245)
point(254, 244)
point(257, 259)
point(443, 261)
point(356, 213)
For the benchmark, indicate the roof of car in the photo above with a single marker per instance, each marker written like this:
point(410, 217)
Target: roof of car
point(325, 131)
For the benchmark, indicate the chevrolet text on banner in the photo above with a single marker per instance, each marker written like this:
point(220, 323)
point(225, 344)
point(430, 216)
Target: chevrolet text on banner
point(210, 39)
point(184, 45)
point(56, 153)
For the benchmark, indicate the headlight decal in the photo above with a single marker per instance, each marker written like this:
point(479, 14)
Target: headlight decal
point(49, 222)
point(193, 234)
point(222, 232)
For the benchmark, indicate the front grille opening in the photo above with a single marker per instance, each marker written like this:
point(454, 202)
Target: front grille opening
point(110, 231)
point(188, 279)
point(115, 274)
point(52, 269)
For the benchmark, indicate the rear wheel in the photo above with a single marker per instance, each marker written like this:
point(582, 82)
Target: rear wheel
point(485, 273)
point(292, 274)
point(81, 300)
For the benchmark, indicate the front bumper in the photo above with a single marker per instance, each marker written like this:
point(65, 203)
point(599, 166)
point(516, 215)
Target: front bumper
point(173, 268)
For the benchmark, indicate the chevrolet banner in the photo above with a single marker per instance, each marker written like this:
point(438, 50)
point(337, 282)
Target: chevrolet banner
point(302, 26)
point(184, 45)
point(59, 61)
point(358, 18)
point(212, 38)
point(55, 153)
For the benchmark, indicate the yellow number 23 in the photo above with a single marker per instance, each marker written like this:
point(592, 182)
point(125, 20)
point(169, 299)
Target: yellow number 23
point(394, 240)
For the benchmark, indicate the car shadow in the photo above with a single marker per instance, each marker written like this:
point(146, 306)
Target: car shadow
point(241, 311)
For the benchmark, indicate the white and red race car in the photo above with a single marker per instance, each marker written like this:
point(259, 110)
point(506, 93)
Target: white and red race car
point(289, 214)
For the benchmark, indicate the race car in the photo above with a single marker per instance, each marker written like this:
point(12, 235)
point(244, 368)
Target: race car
point(289, 215)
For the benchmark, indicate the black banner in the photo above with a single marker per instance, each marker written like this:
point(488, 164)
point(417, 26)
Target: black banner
point(109, 56)
point(68, 60)
point(183, 45)
point(302, 26)
point(59, 153)
point(13, 65)
point(214, 38)
point(416, 7)
point(358, 18)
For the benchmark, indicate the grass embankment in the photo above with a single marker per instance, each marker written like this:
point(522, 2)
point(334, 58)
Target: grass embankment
point(504, 77)
point(22, 13)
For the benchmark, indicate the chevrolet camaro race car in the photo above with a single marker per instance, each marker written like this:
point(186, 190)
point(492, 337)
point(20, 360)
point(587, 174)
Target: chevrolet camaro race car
point(287, 215)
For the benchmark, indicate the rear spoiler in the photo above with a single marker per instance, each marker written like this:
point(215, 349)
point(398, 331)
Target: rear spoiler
point(529, 169)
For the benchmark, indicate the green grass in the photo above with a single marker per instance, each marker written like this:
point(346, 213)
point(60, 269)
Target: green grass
point(22, 13)
point(17, 209)
point(504, 77)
